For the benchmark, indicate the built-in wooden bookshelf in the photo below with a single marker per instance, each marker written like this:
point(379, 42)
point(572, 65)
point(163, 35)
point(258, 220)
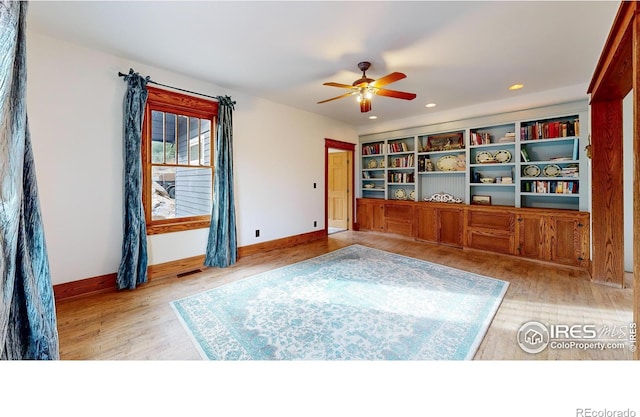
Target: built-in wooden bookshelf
point(492, 163)
point(531, 158)
point(551, 163)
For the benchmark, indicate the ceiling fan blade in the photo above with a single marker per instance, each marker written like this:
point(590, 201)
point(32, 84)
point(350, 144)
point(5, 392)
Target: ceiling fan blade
point(388, 79)
point(335, 98)
point(395, 94)
point(338, 85)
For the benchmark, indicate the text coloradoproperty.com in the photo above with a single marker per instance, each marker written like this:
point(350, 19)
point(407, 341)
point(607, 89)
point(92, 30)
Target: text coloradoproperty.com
point(587, 345)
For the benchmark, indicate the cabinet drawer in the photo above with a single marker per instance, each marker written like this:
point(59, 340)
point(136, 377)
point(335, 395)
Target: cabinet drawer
point(491, 220)
point(399, 227)
point(491, 241)
point(398, 212)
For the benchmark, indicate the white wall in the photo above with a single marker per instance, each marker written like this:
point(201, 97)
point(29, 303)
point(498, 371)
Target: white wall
point(74, 103)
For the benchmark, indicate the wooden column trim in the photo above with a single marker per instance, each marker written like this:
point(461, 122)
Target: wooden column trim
point(612, 77)
point(607, 214)
point(636, 174)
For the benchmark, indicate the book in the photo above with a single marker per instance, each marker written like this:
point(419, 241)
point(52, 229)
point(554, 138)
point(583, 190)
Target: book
point(525, 155)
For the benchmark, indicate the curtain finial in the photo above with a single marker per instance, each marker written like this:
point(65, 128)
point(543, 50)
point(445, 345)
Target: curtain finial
point(226, 101)
point(131, 74)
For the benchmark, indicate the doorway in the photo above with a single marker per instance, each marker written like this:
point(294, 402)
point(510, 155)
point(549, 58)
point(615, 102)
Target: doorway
point(338, 185)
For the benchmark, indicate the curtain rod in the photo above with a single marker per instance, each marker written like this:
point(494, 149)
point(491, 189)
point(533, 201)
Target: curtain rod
point(169, 86)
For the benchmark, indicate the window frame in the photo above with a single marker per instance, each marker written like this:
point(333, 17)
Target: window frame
point(182, 104)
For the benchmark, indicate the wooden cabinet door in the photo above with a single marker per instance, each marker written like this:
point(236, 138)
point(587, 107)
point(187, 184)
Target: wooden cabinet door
point(377, 217)
point(364, 213)
point(427, 224)
point(568, 240)
point(450, 226)
point(531, 236)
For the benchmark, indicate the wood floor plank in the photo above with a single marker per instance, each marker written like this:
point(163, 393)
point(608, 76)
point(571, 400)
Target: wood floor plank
point(141, 325)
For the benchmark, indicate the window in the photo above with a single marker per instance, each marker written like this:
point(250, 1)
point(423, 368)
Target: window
point(177, 159)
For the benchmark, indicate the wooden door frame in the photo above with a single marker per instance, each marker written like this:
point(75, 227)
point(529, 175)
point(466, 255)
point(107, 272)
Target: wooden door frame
point(616, 74)
point(345, 146)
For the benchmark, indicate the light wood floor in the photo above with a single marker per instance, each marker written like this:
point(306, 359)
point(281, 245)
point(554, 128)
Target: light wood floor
point(141, 325)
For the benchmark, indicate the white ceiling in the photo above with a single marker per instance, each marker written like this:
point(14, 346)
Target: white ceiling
point(454, 53)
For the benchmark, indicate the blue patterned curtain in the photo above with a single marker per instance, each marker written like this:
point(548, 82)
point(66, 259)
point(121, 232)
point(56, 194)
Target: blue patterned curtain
point(133, 265)
point(222, 248)
point(27, 309)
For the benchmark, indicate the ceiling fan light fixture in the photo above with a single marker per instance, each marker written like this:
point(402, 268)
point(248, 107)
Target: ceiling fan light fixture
point(368, 94)
point(365, 105)
point(365, 88)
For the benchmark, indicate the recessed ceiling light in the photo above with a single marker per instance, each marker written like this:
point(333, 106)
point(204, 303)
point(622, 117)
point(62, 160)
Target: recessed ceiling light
point(431, 105)
point(516, 86)
point(373, 117)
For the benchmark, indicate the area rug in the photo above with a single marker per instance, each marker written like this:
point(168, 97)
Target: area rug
point(356, 303)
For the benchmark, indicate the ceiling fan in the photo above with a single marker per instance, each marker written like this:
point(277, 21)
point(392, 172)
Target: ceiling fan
point(364, 88)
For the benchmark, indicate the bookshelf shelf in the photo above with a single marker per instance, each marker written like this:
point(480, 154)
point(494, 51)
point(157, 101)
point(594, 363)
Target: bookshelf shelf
point(552, 195)
point(442, 173)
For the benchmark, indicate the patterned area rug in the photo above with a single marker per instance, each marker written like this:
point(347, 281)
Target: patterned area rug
point(356, 303)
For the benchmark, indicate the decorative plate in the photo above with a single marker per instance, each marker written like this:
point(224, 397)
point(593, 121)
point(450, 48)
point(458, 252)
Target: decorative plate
point(401, 194)
point(372, 163)
point(552, 170)
point(381, 164)
point(447, 163)
point(531, 171)
point(484, 157)
point(502, 156)
point(412, 195)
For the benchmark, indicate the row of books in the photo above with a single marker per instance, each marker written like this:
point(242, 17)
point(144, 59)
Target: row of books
point(372, 149)
point(478, 138)
point(570, 171)
point(403, 177)
point(397, 147)
point(550, 130)
point(551, 187)
point(402, 162)
point(367, 175)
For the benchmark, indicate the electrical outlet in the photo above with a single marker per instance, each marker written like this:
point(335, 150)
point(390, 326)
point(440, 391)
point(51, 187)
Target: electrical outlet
point(257, 232)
